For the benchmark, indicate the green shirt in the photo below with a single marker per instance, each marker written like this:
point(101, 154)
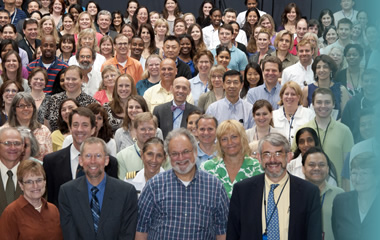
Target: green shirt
point(216, 167)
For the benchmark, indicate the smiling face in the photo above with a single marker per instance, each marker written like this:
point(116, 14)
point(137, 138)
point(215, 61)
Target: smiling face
point(252, 18)
point(106, 47)
point(145, 35)
point(284, 43)
point(189, 19)
point(253, 77)
point(274, 166)
point(223, 58)
point(290, 98)
point(305, 54)
point(170, 5)
point(104, 22)
point(344, 31)
point(154, 66)
point(144, 131)
point(109, 79)
point(84, 21)
point(11, 63)
point(124, 87)
point(142, 16)
point(185, 45)
point(263, 41)
point(168, 70)
point(266, 24)
point(132, 6)
point(37, 82)
point(133, 108)
point(73, 82)
point(230, 144)
point(181, 89)
point(48, 48)
point(8, 33)
point(322, 70)
point(153, 157)
point(81, 129)
point(92, 9)
point(66, 109)
point(32, 186)
point(206, 131)
point(323, 105)
point(161, 30)
point(216, 18)
point(75, 13)
point(93, 159)
point(262, 117)
point(232, 86)
point(68, 23)
point(47, 27)
point(292, 15)
point(184, 163)
point(271, 73)
point(225, 36)
point(301, 29)
point(171, 49)
point(117, 20)
point(316, 169)
point(24, 111)
point(195, 33)
point(353, 57)
point(121, 45)
point(326, 20)
point(191, 126)
point(204, 64)
point(10, 155)
point(9, 93)
point(179, 28)
point(331, 36)
point(137, 47)
point(217, 79)
point(206, 9)
point(305, 142)
point(153, 18)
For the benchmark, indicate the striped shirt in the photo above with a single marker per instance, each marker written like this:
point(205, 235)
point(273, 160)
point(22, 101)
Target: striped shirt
point(170, 210)
point(56, 66)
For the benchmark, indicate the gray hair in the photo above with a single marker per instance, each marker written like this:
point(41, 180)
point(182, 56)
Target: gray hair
point(93, 52)
point(12, 118)
point(6, 129)
point(105, 12)
point(27, 133)
point(94, 140)
point(181, 132)
point(275, 139)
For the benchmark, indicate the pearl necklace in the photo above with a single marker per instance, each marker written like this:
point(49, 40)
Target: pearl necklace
point(38, 208)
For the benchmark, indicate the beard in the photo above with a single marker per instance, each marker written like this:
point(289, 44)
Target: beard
point(85, 65)
point(275, 174)
point(186, 170)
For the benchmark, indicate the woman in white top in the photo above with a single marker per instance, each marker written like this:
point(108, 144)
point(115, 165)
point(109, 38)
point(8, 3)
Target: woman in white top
point(291, 115)
point(153, 156)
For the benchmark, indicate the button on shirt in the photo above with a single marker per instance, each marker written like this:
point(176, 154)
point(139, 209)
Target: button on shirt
point(170, 210)
point(298, 74)
point(74, 160)
point(225, 110)
point(261, 92)
point(210, 35)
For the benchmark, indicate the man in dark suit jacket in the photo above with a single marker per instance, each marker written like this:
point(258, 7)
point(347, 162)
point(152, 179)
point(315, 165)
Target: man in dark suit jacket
point(297, 201)
point(30, 42)
point(104, 23)
point(62, 166)
point(96, 206)
point(10, 155)
point(173, 114)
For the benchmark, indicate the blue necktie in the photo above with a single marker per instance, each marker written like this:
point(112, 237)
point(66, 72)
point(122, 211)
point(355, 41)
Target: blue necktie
point(272, 226)
point(95, 208)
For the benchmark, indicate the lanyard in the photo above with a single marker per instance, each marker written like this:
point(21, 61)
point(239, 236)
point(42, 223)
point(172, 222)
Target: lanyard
point(290, 123)
point(125, 71)
point(136, 150)
point(177, 116)
point(14, 16)
point(265, 205)
point(319, 136)
point(29, 45)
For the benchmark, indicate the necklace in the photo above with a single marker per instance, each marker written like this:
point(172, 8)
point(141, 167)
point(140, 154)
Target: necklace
point(354, 88)
point(38, 208)
point(39, 99)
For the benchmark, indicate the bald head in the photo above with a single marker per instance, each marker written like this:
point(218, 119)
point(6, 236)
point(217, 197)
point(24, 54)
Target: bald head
point(181, 89)
point(168, 71)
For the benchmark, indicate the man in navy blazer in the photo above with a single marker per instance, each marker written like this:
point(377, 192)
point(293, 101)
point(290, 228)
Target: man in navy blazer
point(297, 201)
point(173, 114)
point(62, 166)
point(96, 206)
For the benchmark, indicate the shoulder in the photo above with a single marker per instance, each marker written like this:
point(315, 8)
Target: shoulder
point(247, 183)
point(306, 186)
point(56, 155)
point(119, 184)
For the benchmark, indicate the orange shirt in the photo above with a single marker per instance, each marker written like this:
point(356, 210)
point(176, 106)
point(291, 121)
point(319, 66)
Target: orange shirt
point(21, 221)
point(132, 67)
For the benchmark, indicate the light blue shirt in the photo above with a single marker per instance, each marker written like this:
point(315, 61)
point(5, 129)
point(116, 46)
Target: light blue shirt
point(238, 59)
point(177, 116)
point(261, 92)
point(203, 157)
point(100, 194)
point(224, 110)
point(197, 88)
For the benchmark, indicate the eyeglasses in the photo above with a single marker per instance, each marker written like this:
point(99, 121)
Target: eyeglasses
point(10, 143)
point(24, 106)
point(89, 156)
point(85, 56)
point(184, 154)
point(276, 155)
point(11, 90)
point(32, 182)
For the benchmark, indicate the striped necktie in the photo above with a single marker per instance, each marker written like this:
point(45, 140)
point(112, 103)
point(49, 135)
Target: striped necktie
point(95, 208)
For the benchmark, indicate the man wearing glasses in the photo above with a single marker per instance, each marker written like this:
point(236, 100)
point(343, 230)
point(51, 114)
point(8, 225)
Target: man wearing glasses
point(11, 148)
point(182, 203)
point(274, 205)
point(124, 63)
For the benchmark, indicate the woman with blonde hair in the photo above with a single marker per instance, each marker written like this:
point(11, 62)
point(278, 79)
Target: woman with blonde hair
point(151, 75)
point(109, 75)
point(233, 163)
point(84, 22)
point(291, 115)
point(283, 44)
point(162, 30)
point(266, 21)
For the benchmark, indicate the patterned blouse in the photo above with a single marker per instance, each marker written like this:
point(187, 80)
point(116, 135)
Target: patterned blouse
point(250, 167)
point(42, 109)
point(52, 109)
point(113, 119)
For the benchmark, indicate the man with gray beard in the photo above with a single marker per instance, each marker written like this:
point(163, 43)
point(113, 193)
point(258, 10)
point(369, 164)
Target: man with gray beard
point(91, 77)
point(184, 202)
point(274, 205)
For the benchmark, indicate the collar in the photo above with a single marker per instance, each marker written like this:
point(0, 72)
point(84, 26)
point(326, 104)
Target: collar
point(231, 104)
point(74, 152)
point(201, 153)
point(281, 183)
point(174, 104)
point(101, 186)
point(327, 188)
point(24, 203)
point(4, 169)
point(273, 89)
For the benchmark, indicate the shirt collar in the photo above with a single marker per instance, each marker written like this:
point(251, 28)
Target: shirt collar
point(73, 152)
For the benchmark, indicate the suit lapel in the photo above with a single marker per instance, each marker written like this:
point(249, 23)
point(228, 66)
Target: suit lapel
point(294, 188)
point(84, 202)
point(168, 116)
point(186, 112)
point(107, 205)
point(3, 198)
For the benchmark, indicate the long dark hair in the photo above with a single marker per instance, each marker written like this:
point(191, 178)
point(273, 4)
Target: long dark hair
point(247, 26)
point(192, 52)
point(105, 132)
point(257, 68)
point(62, 125)
point(312, 132)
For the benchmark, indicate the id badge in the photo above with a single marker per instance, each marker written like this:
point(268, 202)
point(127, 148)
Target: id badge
point(265, 236)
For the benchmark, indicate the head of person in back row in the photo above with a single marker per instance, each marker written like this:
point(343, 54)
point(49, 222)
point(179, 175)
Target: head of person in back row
point(229, 15)
point(294, 214)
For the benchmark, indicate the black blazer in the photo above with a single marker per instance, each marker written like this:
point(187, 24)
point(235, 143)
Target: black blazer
point(3, 197)
point(346, 222)
point(22, 44)
point(118, 216)
point(244, 220)
point(164, 116)
point(57, 167)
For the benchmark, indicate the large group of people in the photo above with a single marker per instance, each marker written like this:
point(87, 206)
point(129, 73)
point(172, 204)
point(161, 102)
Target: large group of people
point(173, 125)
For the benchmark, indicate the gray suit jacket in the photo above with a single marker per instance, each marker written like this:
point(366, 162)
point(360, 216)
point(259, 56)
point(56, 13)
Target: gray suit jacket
point(118, 216)
point(164, 116)
point(3, 198)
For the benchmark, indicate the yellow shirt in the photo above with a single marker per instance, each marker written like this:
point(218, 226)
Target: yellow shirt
point(157, 95)
point(283, 205)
